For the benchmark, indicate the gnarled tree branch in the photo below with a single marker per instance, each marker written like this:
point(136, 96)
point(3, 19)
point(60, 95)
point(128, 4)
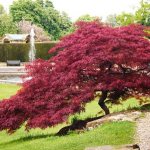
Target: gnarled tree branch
point(102, 102)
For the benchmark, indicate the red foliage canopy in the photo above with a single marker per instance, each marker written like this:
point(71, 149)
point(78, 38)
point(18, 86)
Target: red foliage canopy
point(93, 58)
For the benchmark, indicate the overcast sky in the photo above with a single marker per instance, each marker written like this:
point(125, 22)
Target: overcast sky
point(76, 8)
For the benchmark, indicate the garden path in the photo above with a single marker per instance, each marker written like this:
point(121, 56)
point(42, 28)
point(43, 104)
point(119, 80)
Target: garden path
point(143, 132)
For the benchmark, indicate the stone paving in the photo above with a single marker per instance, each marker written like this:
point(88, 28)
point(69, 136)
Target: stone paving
point(11, 74)
point(8, 70)
point(143, 132)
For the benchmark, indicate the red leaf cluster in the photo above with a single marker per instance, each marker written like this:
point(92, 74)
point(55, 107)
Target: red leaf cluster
point(93, 58)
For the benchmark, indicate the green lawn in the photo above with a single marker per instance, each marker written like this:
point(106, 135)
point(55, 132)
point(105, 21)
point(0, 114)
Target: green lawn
point(6, 90)
point(116, 133)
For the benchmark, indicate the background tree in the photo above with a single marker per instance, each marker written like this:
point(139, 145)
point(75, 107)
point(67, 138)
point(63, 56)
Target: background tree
point(42, 13)
point(65, 24)
point(2, 11)
point(125, 19)
point(24, 27)
point(88, 18)
point(95, 58)
point(48, 3)
point(6, 23)
point(112, 20)
point(141, 15)
point(83, 18)
point(40, 2)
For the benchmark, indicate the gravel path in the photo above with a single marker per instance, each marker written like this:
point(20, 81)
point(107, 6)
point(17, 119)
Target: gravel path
point(143, 132)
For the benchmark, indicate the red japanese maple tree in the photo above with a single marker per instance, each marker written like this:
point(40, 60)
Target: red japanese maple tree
point(96, 57)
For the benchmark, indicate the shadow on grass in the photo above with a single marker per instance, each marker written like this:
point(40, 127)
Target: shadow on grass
point(76, 125)
point(27, 138)
point(81, 124)
point(145, 107)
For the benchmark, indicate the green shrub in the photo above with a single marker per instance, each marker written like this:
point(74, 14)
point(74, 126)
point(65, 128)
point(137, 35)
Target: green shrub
point(19, 51)
point(43, 48)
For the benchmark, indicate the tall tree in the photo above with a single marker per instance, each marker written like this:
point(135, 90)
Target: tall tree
point(125, 19)
point(24, 27)
point(40, 2)
point(112, 20)
point(42, 13)
point(2, 11)
point(6, 23)
point(88, 18)
point(142, 15)
point(95, 58)
point(48, 3)
point(65, 24)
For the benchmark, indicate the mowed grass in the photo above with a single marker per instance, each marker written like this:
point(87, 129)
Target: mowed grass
point(6, 90)
point(116, 133)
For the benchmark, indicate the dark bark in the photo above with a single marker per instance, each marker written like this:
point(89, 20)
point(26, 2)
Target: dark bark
point(78, 125)
point(102, 102)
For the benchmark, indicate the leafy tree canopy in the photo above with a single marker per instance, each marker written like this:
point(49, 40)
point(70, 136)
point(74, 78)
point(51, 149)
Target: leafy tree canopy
point(112, 20)
point(43, 13)
point(24, 27)
point(7, 25)
point(125, 19)
point(2, 11)
point(88, 18)
point(142, 16)
point(96, 57)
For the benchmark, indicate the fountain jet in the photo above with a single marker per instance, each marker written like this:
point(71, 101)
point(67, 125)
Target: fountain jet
point(32, 50)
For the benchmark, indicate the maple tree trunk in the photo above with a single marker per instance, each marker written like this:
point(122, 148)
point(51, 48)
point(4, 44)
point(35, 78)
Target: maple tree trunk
point(102, 103)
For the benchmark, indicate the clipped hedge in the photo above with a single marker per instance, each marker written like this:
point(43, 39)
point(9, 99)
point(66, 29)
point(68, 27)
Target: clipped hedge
point(20, 51)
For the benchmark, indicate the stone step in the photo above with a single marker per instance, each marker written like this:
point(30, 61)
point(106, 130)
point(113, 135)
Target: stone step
point(12, 73)
point(12, 82)
point(12, 69)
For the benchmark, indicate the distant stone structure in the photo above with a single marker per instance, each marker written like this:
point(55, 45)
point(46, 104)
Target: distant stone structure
point(13, 38)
